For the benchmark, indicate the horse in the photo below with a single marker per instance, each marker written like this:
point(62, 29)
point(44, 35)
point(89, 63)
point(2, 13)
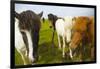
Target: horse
point(63, 27)
point(27, 26)
point(83, 34)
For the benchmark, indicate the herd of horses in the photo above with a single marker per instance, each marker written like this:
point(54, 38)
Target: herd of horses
point(75, 32)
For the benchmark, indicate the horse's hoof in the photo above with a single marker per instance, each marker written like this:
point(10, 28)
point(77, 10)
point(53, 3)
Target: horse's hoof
point(68, 55)
point(35, 60)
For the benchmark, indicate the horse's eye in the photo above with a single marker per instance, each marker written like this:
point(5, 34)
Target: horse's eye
point(22, 32)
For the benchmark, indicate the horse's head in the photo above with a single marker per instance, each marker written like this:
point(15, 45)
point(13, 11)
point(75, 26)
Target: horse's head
point(80, 29)
point(52, 18)
point(28, 18)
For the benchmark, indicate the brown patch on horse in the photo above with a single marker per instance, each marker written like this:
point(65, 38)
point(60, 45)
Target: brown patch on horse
point(76, 39)
point(79, 28)
point(81, 24)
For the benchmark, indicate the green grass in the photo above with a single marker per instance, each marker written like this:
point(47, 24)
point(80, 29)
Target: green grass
point(47, 53)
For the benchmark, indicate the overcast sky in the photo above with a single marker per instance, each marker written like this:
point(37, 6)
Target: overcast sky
point(60, 11)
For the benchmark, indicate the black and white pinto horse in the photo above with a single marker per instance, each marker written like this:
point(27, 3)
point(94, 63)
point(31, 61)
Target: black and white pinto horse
point(63, 27)
point(27, 26)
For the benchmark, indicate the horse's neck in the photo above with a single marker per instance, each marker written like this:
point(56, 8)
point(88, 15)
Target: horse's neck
point(55, 19)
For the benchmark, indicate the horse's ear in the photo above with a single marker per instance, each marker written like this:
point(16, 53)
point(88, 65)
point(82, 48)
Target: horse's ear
point(74, 18)
point(17, 15)
point(40, 14)
point(51, 17)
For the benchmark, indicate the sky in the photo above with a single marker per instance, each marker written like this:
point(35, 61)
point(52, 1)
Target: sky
point(61, 11)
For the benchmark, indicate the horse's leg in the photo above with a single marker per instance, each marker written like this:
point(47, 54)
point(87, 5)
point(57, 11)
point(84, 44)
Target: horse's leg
point(26, 53)
point(26, 43)
point(35, 40)
point(70, 53)
point(81, 53)
point(59, 42)
point(91, 51)
point(53, 34)
point(63, 46)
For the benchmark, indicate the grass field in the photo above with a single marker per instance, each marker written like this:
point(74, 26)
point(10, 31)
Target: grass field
point(47, 53)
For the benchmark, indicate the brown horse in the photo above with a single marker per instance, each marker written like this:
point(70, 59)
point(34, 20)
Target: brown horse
point(83, 33)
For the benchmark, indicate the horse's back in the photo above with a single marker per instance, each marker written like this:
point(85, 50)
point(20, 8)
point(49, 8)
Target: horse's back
point(60, 27)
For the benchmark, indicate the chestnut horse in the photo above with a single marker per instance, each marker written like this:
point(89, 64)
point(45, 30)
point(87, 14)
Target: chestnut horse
point(83, 32)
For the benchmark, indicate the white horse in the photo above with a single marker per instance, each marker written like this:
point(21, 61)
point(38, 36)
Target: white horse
point(64, 28)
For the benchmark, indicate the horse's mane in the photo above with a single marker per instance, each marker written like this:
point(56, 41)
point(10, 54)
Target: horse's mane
point(81, 23)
